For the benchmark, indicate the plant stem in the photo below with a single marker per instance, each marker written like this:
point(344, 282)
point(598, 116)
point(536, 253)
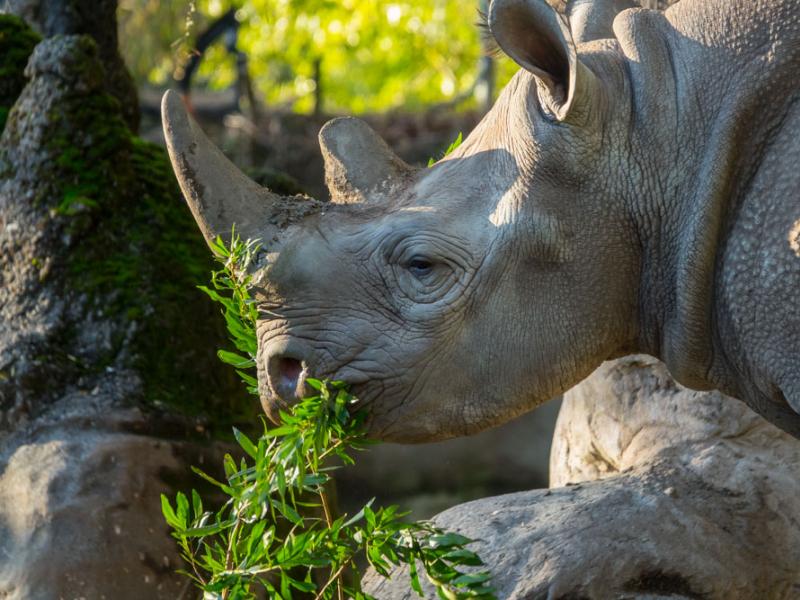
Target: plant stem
point(189, 553)
point(329, 451)
point(337, 577)
point(326, 507)
point(229, 553)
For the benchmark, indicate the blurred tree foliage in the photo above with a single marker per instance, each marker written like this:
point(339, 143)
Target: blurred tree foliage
point(375, 55)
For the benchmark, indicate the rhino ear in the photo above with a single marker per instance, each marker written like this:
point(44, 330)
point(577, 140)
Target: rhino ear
point(358, 163)
point(538, 38)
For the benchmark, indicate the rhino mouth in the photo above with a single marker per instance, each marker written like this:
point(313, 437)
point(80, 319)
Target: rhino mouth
point(287, 384)
point(285, 365)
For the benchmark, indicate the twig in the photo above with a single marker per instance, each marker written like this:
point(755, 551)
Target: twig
point(229, 552)
point(323, 496)
point(335, 577)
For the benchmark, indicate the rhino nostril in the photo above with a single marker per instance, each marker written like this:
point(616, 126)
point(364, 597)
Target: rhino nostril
point(286, 378)
point(290, 370)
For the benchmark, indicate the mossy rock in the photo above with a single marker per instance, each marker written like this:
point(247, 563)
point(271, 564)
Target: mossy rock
point(181, 328)
point(140, 258)
point(17, 41)
point(133, 256)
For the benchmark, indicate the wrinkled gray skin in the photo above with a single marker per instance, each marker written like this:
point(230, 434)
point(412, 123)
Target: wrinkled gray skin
point(632, 194)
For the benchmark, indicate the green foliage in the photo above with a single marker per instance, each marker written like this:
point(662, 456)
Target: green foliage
point(231, 288)
point(277, 532)
point(453, 145)
point(374, 55)
point(17, 41)
point(154, 36)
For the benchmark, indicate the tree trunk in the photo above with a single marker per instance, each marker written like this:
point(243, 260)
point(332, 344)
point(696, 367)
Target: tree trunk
point(104, 371)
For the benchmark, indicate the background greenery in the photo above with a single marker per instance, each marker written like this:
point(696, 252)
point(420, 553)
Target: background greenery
point(375, 55)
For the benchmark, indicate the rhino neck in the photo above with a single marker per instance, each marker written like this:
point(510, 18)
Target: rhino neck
point(701, 133)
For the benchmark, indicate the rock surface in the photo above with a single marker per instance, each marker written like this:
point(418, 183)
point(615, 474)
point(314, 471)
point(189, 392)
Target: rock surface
point(79, 507)
point(658, 492)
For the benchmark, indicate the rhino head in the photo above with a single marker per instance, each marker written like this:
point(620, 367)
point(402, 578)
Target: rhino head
point(451, 298)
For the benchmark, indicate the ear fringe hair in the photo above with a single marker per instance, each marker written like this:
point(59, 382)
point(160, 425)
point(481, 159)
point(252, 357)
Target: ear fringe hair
point(490, 45)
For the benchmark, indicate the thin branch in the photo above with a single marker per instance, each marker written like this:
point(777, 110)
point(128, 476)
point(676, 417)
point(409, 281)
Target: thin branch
point(229, 552)
point(335, 577)
point(326, 507)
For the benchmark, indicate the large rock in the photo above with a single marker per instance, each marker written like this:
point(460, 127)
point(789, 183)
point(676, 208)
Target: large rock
point(663, 492)
point(79, 507)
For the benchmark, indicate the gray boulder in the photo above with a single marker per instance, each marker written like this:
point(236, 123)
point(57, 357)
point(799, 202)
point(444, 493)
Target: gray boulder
point(658, 491)
point(79, 508)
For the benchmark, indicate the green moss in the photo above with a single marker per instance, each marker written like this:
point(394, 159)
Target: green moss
point(142, 260)
point(92, 146)
point(17, 41)
point(132, 254)
point(138, 256)
point(181, 332)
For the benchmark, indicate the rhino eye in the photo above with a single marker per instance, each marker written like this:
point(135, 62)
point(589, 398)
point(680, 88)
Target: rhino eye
point(419, 266)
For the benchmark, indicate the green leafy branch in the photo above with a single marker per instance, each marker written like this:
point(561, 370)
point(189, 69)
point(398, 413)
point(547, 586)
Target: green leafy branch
point(230, 286)
point(277, 531)
point(453, 145)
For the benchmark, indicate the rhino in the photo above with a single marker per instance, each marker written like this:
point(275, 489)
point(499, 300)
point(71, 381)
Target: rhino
point(634, 189)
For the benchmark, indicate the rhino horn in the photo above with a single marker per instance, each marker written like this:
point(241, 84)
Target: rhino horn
point(358, 163)
point(594, 19)
point(219, 195)
point(538, 38)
